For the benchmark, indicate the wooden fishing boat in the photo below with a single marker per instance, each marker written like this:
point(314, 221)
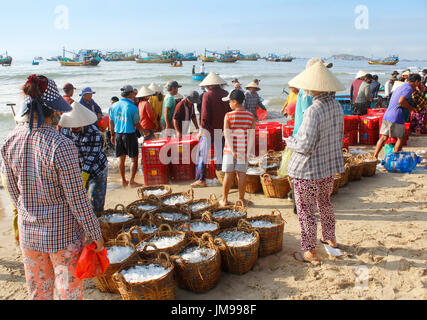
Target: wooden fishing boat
point(227, 59)
point(178, 65)
point(286, 59)
point(152, 60)
point(5, 60)
point(272, 58)
point(389, 61)
point(35, 63)
point(84, 58)
point(207, 59)
point(199, 76)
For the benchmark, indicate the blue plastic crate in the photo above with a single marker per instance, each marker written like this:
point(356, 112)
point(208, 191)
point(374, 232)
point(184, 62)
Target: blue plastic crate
point(346, 106)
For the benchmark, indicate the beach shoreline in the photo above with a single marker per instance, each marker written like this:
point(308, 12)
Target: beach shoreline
point(381, 224)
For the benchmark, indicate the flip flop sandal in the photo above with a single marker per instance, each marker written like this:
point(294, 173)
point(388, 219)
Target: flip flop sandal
point(324, 242)
point(301, 257)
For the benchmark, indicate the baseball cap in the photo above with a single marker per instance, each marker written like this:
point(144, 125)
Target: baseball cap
point(235, 95)
point(172, 84)
point(235, 80)
point(194, 97)
point(128, 88)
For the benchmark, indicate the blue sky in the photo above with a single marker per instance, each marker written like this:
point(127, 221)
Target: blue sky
point(302, 28)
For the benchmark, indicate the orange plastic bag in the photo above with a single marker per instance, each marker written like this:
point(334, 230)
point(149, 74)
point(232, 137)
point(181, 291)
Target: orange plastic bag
point(262, 114)
point(92, 264)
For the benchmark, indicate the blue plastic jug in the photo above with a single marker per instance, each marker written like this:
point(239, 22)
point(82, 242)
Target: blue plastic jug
point(389, 148)
point(403, 162)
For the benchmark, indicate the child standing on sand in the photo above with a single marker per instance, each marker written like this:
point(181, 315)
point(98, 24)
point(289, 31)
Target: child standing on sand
point(239, 144)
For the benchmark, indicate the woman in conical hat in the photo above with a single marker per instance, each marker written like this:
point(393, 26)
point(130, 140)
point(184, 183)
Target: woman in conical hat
point(146, 114)
point(317, 157)
point(213, 80)
point(253, 101)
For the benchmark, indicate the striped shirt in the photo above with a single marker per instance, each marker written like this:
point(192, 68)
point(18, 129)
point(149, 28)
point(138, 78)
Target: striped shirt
point(45, 184)
point(318, 146)
point(89, 144)
point(239, 123)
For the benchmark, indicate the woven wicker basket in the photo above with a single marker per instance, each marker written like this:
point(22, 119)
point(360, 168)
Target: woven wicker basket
point(275, 187)
point(199, 277)
point(134, 209)
point(204, 218)
point(347, 156)
point(226, 223)
point(188, 194)
point(345, 175)
point(158, 219)
point(253, 184)
point(111, 230)
point(370, 165)
point(172, 250)
point(132, 229)
point(239, 260)
point(220, 175)
point(141, 191)
point(357, 166)
point(105, 283)
point(157, 289)
point(337, 184)
point(271, 239)
point(211, 203)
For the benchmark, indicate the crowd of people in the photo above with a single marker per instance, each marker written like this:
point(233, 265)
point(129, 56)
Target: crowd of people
point(55, 157)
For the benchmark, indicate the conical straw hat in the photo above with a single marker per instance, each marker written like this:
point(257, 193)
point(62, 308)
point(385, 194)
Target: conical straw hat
point(154, 87)
point(317, 78)
point(253, 85)
point(212, 80)
point(396, 85)
point(144, 92)
point(80, 116)
point(361, 74)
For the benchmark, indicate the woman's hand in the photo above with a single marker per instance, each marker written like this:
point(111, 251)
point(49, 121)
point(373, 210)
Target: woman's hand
point(99, 245)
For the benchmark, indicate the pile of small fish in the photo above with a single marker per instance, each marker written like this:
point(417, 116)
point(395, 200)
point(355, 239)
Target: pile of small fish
point(174, 216)
point(155, 192)
point(144, 229)
point(161, 242)
point(262, 224)
point(237, 238)
point(229, 213)
point(117, 254)
point(255, 171)
point(145, 273)
point(117, 217)
point(174, 200)
point(202, 226)
point(198, 206)
point(196, 254)
point(147, 207)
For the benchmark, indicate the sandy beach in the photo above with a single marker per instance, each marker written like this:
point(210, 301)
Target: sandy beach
point(381, 225)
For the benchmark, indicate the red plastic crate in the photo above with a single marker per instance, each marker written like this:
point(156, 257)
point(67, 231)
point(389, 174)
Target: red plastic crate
point(156, 175)
point(183, 172)
point(374, 111)
point(346, 142)
point(151, 151)
point(181, 150)
point(368, 137)
point(290, 123)
point(352, 135)
point(288, 131)
point(369, 123)
point(351, 123)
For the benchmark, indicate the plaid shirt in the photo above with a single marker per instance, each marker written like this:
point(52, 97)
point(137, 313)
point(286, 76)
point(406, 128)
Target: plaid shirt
point(420, 100)
point(45, 184)
point(318, 147)
point(89, 144)
point(251, 102)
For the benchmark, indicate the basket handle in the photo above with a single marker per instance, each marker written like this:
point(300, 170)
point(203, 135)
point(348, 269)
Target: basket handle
point(206, 217)
point(220, 243)
point(239, 204)
point(190, 193)
point(139, 232)
point(163, 226)
point(153, 197)
point(213, 198)
point(103, 219)
point(278, 212)
point(126, 238)
point(184, 225)
point(120, 206)
point(207, 237)
point(244, 224)
point(165, 256)
point(152, 245)
point(146, 216)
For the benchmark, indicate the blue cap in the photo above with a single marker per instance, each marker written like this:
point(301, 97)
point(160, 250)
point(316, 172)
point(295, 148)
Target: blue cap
point(86, 91)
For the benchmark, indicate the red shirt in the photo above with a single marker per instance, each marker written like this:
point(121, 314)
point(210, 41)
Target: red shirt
point(239, 122)
point(69, 100)
point(354, 90)
point(214, 110)
point(146, 114)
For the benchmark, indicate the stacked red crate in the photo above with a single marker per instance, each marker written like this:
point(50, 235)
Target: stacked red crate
point(351, 126)
point(375, 111)
point(268, 135)
point(155, 171)
point(369, 128)
point(183, 167)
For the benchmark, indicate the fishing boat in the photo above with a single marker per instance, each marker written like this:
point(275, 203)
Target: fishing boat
point(38, 58)
point(207, 59)
point(149, 57)
point(84, 58)
point(226, 59)
point(272, 58)
point(5, 60)
point(176, 64)
point(389, 61)
point(128, 56)
point(35, 63)
point(286, 58)
point(191, 56)
point(240, 56)
point(199, 76)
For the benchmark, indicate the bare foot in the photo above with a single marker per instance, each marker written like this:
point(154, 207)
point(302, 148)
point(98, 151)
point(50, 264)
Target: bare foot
point(125, 184)
point(307, 257)
point(224, 203)
point(199, 184)
point(135, 185)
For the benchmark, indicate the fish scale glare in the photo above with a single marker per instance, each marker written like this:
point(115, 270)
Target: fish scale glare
point(117, 254)
point(175, 216)
point(262, 224)
point(139, 274)
point(155, 192)
point(227, 214)
point(202, 226)
point(147, 207)
point(175, 200)
point(237, 238)
point(162, 242)
point(196, 254)
point(199, 206)
point(117, 217)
